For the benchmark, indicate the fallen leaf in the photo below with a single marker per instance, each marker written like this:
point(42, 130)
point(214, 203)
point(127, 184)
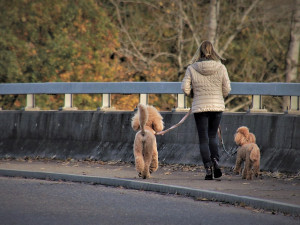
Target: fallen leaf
point(201, 199)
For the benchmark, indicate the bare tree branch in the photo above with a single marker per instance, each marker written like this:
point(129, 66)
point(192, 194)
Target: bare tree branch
point(142, 2)
point(213, 21)
point(229, 99)
point(294, 43)
point(162, 54)
point(139, 54)
point(180, 37)
point(128, 53)
point(235, 109)
point(292, 58)
point(239, 28)
point(187, 20)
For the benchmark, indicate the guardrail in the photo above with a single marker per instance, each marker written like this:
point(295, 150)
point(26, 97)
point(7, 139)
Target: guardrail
point(256, 90)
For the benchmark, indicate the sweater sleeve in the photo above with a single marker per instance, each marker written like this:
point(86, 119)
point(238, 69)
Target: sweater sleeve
point(226, 87)
point(187, 82)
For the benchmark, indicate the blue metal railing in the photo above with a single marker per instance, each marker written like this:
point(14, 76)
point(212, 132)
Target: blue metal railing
point(238, 88)
point(256, 90)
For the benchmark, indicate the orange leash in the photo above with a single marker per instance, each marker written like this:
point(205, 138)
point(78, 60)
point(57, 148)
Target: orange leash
point(176, 125)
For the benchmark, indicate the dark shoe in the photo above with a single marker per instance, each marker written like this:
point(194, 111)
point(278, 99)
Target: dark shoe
point(208, 175)
point(217, 169)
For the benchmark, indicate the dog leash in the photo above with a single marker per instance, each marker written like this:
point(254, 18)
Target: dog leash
point(176, 125)
point(219, 133)
point(223, 145)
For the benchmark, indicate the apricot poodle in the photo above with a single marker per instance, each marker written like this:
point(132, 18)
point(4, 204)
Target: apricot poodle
point(147, 121)
point(248, 152)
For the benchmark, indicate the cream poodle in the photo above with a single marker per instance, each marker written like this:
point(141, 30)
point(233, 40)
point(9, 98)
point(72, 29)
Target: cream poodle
point(247, 152)
point(147, 121)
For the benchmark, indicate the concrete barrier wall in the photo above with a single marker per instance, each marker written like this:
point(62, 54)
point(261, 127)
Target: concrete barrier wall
point(108, 136)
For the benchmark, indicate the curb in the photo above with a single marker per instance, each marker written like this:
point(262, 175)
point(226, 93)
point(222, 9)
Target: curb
point(161, 188)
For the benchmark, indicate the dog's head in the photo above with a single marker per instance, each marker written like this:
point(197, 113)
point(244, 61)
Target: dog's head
point(151, 117)
point(243, 136)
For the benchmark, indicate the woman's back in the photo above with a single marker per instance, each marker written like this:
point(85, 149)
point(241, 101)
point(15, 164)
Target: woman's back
point(210, 83)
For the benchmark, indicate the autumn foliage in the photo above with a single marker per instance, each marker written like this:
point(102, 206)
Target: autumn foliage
point(115, 40)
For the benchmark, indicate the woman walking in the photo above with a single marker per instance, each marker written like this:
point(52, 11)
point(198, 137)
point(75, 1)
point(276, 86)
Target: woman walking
point(206, 79)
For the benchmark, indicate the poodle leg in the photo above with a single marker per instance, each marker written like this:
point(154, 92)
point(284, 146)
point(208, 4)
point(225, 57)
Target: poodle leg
point(138, 156)
point(248, 166)
point(244, 172)
point(256, 168)
point(245, 169)
point(238, 164)
point(147, 158)
point(154, 163)
point(146, 171)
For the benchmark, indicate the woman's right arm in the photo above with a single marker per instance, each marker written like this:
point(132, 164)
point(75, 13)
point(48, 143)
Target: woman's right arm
point(187, 82)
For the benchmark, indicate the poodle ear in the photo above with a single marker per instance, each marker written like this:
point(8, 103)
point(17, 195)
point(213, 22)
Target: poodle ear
point(135, 123)
point(241, 136)
point(239, 139)
point(252, 138)
point(158, 124)
point(155, 119)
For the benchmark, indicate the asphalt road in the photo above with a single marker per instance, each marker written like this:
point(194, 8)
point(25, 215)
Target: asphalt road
point(28, 201)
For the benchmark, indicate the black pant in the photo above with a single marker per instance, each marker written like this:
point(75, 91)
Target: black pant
point(207, 125)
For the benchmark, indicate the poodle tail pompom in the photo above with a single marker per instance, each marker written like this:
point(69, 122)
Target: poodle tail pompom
point(143, 116)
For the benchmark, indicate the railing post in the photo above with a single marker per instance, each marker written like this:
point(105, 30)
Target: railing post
point(181, 103)
point(294, 105)
point(257, 104)
point(30, 103)
point(69, 102)
point(144, 99)
point(106, 103)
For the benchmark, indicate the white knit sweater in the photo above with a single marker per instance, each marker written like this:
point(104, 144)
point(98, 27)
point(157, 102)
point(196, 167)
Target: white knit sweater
point(210, 83)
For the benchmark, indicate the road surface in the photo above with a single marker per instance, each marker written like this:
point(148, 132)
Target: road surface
point(38, 202)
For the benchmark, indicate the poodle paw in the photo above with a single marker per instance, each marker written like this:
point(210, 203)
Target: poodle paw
point(146, 176)
point(152, 169)
point(249, 177)
point(236, 171)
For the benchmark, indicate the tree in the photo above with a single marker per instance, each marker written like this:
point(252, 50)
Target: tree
point(163, 34)
point(53, 41)
point(213, 22)
point(292, 58)
point(294, 43)
point(255, 45)
point(138, 40)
